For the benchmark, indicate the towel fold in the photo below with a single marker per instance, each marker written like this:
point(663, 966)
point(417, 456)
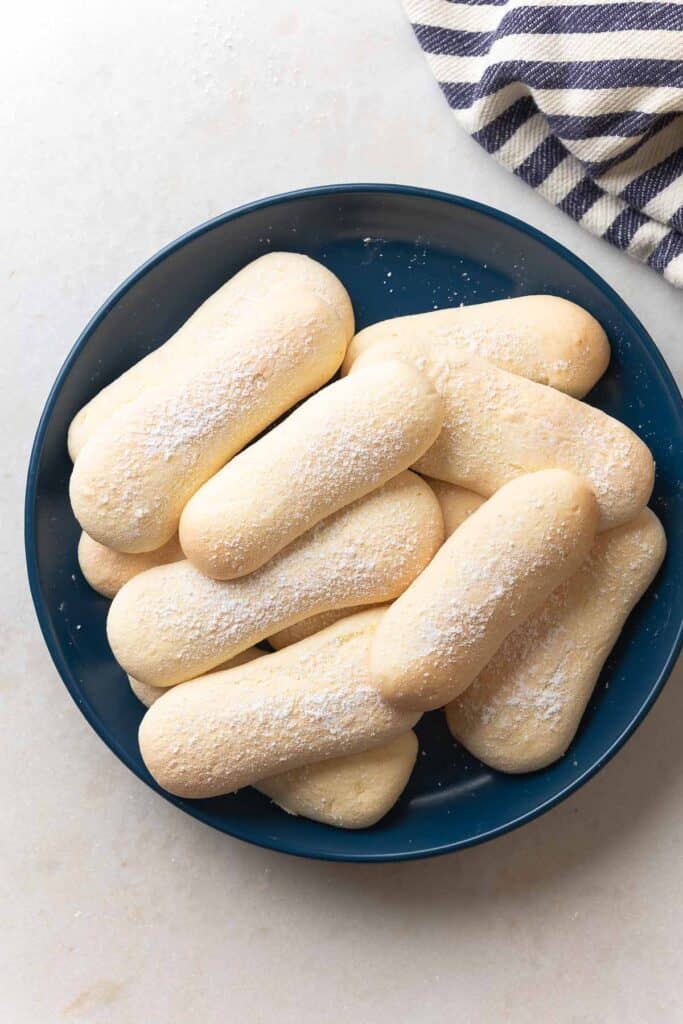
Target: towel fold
point(583, 101)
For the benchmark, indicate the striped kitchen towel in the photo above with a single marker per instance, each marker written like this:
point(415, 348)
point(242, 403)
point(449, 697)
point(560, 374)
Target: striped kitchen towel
point(584, 101)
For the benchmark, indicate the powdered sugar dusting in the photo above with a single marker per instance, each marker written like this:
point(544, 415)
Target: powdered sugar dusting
point(340, 444)
point(499, 425)
point(139, 469)
point(539, 681)
point(510, 688)
point(498, 582)
point(173, 622)
point(310, 702)
point(541, 337)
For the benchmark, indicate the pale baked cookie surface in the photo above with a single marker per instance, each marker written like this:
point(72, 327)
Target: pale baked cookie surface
point(524, 708)
point(234, 301)
point(172, 623)
point(106, 570)
point(542, 337)
point(489, 576)
point(498, 426)
point(310, 702)
point(135, 474)
point(342, 443)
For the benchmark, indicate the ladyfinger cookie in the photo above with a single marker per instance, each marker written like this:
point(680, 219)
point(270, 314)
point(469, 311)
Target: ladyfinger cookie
point(457, 503)
point(342, 443)
point(147, 694)
point(498, 425)
point(523, 710)
point(234, 300)
point(354, 791)
point(488, 577)
point(307, 627)
point(172, 623)
point(107, 570)
point(542, 337)
point(135, 475)
point(308, 703)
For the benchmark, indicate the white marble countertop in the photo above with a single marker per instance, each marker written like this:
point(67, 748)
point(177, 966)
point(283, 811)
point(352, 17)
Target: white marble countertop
point(124, 125)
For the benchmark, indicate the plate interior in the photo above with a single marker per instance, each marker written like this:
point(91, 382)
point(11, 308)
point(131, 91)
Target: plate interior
point(398, 252)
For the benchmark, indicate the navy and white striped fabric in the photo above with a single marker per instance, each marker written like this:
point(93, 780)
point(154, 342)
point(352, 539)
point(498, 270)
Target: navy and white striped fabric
point(582, 100)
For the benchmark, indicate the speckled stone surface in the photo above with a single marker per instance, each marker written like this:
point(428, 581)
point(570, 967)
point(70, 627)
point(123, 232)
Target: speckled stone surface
point(125, 125)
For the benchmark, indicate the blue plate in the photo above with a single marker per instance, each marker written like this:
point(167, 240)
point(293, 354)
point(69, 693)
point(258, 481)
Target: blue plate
point(398, 250)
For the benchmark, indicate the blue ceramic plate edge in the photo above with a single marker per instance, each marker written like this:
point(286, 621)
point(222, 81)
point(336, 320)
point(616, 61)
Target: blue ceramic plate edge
point(29, 527)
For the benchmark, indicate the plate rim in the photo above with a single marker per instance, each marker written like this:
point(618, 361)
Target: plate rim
point(65, 673)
